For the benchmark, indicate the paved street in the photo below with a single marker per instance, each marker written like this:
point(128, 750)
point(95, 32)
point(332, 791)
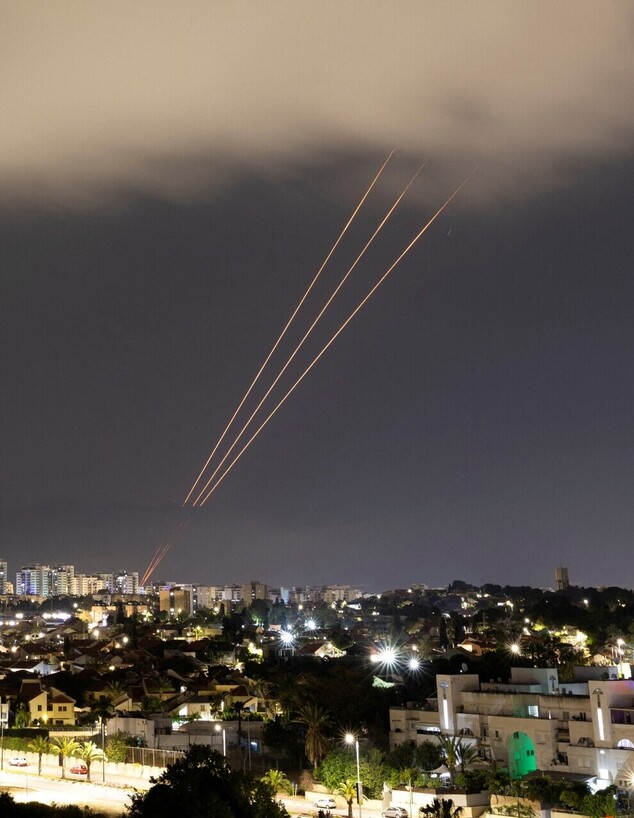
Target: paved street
point(25, 785)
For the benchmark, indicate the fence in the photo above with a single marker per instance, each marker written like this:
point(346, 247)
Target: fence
point(149, 757)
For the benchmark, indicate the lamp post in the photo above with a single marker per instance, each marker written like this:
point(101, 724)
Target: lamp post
point(224, 739)
point(598, 693)
point(350, 739)
point(103, 750)
point(4, 716)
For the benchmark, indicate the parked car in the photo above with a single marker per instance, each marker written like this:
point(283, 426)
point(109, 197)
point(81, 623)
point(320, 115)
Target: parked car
point(18, 761)
point(325, 803)
point(79, 769)
point(395, 812)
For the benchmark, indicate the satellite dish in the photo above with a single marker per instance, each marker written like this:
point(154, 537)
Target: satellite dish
point(464, 667)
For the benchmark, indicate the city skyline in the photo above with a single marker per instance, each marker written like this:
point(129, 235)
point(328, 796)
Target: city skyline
point(168, 193)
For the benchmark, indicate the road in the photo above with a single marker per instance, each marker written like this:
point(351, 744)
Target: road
point(25, 785)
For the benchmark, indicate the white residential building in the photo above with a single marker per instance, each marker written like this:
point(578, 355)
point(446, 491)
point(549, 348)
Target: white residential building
point(533, 722)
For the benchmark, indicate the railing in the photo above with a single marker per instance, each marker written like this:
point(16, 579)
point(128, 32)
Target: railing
point(150, 757)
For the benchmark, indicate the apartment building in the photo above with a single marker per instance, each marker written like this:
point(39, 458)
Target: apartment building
point(533, 722)
point(176, 600)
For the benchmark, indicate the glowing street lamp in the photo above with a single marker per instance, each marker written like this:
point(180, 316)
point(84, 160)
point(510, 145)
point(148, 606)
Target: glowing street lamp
point(598, 693)
point(218, 728)
point(351, 739)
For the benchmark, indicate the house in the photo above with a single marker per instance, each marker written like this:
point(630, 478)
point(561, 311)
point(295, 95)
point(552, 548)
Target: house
point(47, 706)
point(532, 722)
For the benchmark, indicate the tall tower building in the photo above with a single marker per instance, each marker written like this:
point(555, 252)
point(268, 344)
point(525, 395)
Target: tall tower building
point(3, 577)
point(61, 580)
point(125, 582)
point(561, 578)
point(32, 580)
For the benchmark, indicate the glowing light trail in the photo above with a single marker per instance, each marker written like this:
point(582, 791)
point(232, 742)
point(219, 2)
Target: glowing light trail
point(289, 322)
point(310, 329)
point(162, 550)
point(338, 332)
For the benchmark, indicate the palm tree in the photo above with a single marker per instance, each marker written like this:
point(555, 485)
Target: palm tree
point(316, 720)
point(65, 748)
point(115, 688)
point(89, 752)
point(348, 791)
point(164, 685)
point(468, 757)
point(278, 781)
point(451, 748)
point(441, 808)
point(39, 745)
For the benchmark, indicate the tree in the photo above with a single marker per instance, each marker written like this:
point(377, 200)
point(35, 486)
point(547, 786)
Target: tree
point(202, 785)
point(39, 745)
point(467, 756)
point(428, 756)
point(337, 766)
point(117, 746)
point(348, 791)
point(65, 748)
point(316, 721)
point(89, 752)
point(22, 716)
point(450, 748)
point(441, 808)
point(115, 688)
point(278, 781)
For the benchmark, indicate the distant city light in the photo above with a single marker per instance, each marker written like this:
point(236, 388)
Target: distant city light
point(286, 637)
point(414, 663)
point(311, 625)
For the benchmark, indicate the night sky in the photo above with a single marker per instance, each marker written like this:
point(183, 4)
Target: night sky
point(173, 175)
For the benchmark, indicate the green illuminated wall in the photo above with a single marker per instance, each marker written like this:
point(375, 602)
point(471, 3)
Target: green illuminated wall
point(521, 754)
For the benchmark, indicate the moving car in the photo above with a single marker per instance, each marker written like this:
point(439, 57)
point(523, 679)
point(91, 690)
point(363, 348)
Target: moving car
point(395, 812)
point(18, 761)
point(325, 803)
point(79, 769)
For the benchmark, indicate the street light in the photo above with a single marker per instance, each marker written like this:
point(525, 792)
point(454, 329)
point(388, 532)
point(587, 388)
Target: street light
point(598, 693)
point(4, 718)
point(224, 739)
point(350, 739)
point(103, 749)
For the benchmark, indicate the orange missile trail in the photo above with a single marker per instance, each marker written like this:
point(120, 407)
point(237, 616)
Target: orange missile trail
point(310, 329)
point(162, 550)
point(338, 332)
point(289, 322)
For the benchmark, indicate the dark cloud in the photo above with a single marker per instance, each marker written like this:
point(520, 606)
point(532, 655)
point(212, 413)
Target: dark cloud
point(99, 102)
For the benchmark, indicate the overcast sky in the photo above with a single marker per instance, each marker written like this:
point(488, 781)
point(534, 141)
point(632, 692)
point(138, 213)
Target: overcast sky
point(172, 175)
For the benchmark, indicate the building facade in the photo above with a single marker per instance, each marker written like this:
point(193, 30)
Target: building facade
point(533, 722)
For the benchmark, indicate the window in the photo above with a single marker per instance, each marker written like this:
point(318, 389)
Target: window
point(39, 708)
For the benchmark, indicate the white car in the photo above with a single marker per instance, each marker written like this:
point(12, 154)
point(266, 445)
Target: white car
point(395, 812)
point(325, 803)
point(18, 761)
